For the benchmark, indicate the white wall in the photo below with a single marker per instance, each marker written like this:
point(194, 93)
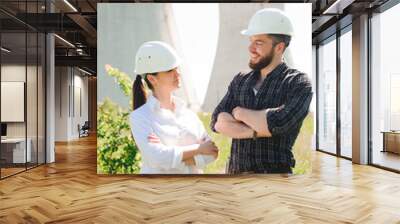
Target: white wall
point(80, 83)
point(61, 104)
point(67, 115)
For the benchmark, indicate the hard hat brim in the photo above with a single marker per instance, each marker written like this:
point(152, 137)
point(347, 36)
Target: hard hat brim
point(248, 32)
point(177, 63)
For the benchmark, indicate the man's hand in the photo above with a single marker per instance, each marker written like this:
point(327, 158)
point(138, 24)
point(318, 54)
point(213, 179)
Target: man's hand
point(239, 113)
point(227, 125)
point(255, 119)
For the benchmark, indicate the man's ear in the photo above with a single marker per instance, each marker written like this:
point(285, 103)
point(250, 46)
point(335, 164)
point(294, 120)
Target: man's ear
point(280, 48)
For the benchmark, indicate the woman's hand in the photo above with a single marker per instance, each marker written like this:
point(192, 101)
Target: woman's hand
point(189, 162)
point(208, 148)
point(204, 139)
point(153, 138)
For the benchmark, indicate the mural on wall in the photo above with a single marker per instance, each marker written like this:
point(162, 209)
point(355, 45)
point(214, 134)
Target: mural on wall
point(209, 65)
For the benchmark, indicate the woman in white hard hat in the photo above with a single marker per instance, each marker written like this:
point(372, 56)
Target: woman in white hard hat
point(170, 137)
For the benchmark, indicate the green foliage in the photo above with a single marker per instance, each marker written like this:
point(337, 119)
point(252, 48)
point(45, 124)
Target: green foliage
point(123, 80)
point(222, 142)
point(302, 147)
point(117, 153)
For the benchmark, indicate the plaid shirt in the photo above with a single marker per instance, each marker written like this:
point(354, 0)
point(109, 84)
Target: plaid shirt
point(287, 94)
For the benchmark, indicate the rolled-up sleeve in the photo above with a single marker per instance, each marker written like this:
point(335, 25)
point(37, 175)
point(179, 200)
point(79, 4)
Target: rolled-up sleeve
point(290, 115)
point(156, 154)
point(226, 105)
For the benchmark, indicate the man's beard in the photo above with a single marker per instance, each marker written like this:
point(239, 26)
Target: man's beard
point(264, 62)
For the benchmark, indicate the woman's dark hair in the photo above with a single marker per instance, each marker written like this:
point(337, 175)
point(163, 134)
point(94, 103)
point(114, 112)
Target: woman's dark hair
point(139, 92)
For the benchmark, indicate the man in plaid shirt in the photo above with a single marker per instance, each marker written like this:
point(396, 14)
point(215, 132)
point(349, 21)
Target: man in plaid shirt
point(264, 109)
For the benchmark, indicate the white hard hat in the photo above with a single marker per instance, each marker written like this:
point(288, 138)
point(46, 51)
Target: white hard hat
point(155, 56)
point(269, 21)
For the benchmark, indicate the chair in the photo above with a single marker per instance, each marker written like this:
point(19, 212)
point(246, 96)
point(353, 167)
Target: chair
point(84, 130)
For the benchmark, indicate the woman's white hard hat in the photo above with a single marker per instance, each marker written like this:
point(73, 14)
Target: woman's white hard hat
point(155, 56)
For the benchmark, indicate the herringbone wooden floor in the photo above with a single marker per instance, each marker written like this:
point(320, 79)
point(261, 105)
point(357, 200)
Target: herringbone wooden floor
point(70, 191)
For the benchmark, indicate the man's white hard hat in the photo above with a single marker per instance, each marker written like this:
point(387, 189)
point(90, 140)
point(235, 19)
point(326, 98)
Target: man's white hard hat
point(269, 21)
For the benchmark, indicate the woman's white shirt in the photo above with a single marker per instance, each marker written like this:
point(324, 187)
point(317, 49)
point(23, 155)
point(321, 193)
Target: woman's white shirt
point(178, 130)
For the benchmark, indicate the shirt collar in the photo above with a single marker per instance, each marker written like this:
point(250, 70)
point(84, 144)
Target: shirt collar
point(277, 70)
point(154, 103)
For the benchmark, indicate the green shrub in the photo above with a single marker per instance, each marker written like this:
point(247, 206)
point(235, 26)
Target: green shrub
point(117, 153)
